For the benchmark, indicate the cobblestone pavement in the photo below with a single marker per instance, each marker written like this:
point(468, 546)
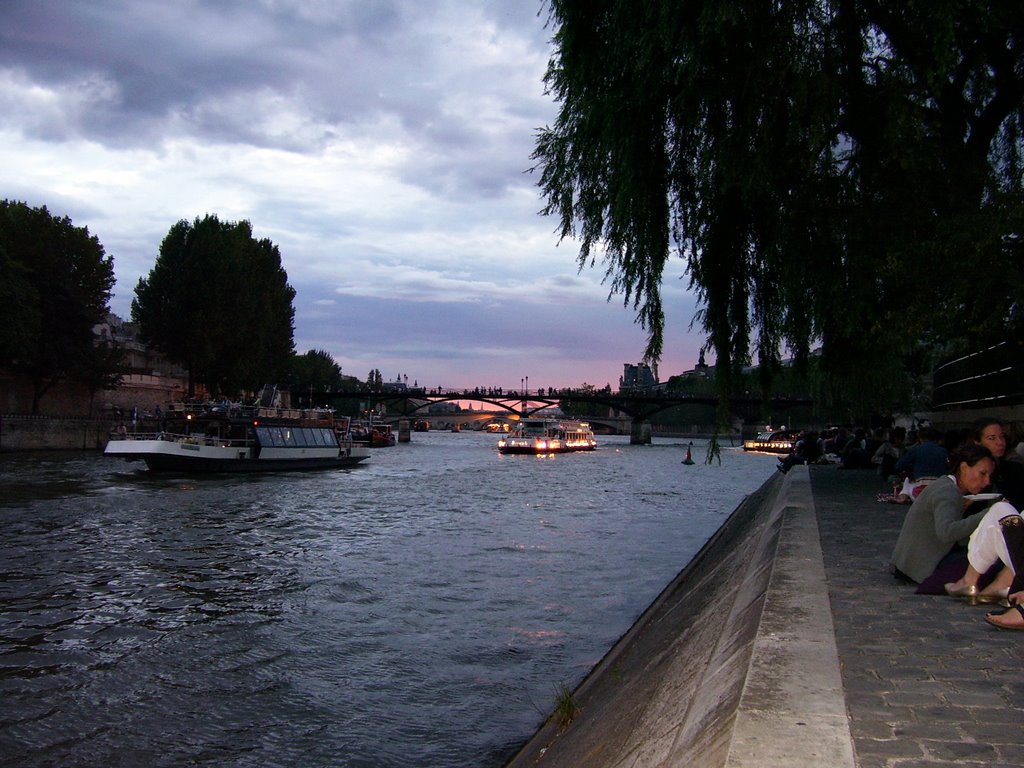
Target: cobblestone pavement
point(927, 681)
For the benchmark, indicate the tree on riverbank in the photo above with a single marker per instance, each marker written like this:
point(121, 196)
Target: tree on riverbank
point(218, 302)
point(55, 284)
point(313, 372)
point(844, 173)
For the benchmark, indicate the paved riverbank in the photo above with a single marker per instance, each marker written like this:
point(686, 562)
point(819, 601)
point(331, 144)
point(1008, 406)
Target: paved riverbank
point(787, 643)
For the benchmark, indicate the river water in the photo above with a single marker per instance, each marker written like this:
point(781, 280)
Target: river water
point(420, 610)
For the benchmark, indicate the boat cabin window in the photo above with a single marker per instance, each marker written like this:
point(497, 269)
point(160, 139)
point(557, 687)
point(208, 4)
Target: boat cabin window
point(295, 437)
point(533, 426)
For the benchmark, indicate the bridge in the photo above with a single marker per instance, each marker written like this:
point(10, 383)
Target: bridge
point(638, 407)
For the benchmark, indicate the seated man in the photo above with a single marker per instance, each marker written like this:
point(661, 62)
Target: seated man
point(926, 459)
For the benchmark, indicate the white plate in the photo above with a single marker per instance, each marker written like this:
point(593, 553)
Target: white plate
point(983, 496)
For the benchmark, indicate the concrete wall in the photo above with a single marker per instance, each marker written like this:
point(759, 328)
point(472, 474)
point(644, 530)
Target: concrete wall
point(38, 433)
point(70, 399)
point(668, 692)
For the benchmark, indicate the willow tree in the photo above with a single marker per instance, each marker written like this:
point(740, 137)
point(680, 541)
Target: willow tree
point(826, 171)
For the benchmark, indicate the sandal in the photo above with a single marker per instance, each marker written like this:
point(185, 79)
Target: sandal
point(993, 618)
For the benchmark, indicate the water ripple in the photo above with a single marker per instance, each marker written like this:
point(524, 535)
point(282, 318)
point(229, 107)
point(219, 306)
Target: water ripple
point(416, 611)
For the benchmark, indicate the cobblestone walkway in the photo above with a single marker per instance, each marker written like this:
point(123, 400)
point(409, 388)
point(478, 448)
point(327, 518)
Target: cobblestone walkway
point(927, 681)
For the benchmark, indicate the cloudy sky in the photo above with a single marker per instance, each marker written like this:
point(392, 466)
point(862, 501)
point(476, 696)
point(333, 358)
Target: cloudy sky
point(382, 145)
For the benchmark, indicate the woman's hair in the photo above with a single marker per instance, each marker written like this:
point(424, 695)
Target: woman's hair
point(980, 425)
point(969, 454)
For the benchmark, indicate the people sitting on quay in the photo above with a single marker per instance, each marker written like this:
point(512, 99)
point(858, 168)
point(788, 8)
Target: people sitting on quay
point(889, 450)
point(834, 443)
point(855, 454)
point(987, 553)
point(1009, 475)
point(807, 450)
point(933, 540)
point(926, 459)
point(1013, 543)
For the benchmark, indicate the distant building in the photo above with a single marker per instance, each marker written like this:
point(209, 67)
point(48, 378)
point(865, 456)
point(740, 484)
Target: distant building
point(435, 409)
point(700, 371)
point(637, 377)
point(150, 379)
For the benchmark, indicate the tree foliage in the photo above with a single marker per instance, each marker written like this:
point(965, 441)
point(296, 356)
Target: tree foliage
point(55, 284)
point(844, 173)
point(375, 380)
point(218, 302)
point(574, 409)
point(313, 372)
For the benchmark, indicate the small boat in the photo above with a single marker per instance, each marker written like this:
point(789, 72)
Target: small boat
point(373, 434)
point(421, 425)
point(779, 441)
point(540, 436)
point(236, 438)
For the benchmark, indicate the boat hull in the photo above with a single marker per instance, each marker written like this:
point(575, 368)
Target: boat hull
point(778, 450)
point(536, 449)
point(537, 436)
point(170, 456)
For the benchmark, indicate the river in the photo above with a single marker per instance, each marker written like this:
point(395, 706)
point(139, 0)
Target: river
point(420, 610)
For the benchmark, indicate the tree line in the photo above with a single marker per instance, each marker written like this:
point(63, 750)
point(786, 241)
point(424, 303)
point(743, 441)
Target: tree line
point(217, 301)
point(839, 179)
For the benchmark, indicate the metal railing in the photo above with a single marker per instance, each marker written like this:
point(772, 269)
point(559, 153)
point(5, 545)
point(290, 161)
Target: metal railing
point(990, 377)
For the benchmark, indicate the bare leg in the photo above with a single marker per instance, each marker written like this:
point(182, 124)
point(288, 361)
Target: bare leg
point(1000, 586)
point(969, 579)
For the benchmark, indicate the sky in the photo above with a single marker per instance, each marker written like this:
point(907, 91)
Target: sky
point(383, 146)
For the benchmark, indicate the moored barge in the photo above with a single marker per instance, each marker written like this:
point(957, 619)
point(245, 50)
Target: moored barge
point(235, 438)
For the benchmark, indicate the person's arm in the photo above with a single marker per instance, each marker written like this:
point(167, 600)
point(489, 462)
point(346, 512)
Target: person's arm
point(950, 524)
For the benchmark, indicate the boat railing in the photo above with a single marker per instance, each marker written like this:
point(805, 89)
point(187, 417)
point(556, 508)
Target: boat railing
point(187, 439)
point(239, 411)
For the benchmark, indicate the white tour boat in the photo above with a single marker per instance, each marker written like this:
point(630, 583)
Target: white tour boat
point(548, 436)
point(235, 438)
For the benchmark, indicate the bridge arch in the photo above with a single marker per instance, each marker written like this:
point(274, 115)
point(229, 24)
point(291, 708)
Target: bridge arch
point(639, 407)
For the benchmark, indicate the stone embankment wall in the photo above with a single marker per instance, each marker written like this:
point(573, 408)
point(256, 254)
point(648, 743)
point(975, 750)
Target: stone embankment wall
point(41, 433)
point(668, 692)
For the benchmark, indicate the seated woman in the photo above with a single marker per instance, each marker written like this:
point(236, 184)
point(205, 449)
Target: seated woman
point(1009, 475)
point(935, 524)
point(986, 548)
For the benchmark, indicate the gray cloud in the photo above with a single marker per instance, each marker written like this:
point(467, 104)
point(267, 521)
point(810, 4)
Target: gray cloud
point(381, 145)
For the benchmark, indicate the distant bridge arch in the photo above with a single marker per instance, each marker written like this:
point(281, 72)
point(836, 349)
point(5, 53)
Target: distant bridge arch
point(639, 407)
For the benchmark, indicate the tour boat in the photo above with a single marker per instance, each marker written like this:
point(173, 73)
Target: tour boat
point(235, 438)
point(548, 436)
point(779, 441)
